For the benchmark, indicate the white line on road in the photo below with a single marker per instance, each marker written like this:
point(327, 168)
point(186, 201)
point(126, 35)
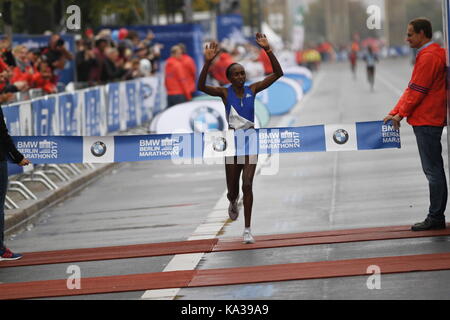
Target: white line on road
point(390, 86)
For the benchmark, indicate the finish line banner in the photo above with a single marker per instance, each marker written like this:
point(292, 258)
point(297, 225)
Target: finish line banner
point(188, 146)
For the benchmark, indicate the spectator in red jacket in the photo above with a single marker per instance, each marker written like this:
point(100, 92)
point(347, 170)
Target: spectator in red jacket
point(22, 72)
point(264, 59)
point(44, 78)
point(424, 104)
point(176, 79)
point(5, 75)
point(190, 67)
point(219, 67)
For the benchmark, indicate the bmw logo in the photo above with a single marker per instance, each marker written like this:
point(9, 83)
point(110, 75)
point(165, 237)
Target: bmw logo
point(98, 149)
point(219, 144)
point(340, 136)
point(204, 119)
point(146, 90)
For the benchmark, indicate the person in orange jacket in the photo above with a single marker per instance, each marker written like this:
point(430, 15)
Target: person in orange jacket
point(264, 59)
point(44, 78)
point(190, 67)
point(176, 79)
point(220, 65)
point(424, 104)
point(23, 71)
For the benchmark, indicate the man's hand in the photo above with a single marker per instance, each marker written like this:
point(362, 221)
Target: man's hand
point(395, 120)
point(211, 51)
point(262, 41)
point(24, 162)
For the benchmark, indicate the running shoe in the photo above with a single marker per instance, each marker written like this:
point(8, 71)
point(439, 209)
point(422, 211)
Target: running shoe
point(6, 254)
point(248, 238)
point(233, 209)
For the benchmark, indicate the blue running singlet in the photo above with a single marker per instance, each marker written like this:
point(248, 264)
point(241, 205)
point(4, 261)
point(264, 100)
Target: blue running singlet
point(240, 112)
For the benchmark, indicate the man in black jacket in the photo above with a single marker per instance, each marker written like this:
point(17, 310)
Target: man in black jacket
point(7, 150)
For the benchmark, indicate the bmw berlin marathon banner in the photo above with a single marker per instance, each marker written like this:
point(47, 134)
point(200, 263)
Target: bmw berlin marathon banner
point(214, 144)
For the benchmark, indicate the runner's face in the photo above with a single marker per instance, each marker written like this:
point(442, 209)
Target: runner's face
point(237, 76)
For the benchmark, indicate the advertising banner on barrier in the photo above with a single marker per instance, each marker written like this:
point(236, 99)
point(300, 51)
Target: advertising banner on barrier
point(187, 146)
point(148, 90)
point(52, 149)
point(91, 112)
point(130, 96)
point(113, 107)
point(45, 116)
point(68, 116)
point(12, 119)
point(26, 119)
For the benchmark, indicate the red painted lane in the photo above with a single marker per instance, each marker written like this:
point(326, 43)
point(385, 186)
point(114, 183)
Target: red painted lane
point(321, 269)
point(216, 245)
point(227, 276)
point(110, 284)
point(109, 253)
point(289, 240)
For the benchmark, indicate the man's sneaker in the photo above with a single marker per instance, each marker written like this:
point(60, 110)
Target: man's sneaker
point(6, 254)
point(233, 209)
point(427, 224)
point(248, 238)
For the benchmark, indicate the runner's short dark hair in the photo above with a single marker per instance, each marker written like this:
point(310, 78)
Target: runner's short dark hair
point(424, 24)
point(228, 71)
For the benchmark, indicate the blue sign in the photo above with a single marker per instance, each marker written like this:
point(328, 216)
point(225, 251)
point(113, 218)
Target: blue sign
point(113, 107)
point(229, 26)
point(371, 137)
point(12, 119)
point(92, 112)
point(68, 120)
point(130, 89)
point(44, 115)
point(54, 149)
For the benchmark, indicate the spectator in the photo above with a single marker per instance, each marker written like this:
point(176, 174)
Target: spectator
point(177, 79)
point(96, 70)
point(264, 59)
point(190, 67)
point(112, 70)
point(219, 67)
point(132, 69)
point(44, 78)
point(5, 76)
point(56, 52)
point(33, 57)
point(84, 59)
point(22, 72)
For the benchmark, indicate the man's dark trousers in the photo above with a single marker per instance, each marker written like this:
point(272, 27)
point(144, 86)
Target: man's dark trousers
point(430, 150)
